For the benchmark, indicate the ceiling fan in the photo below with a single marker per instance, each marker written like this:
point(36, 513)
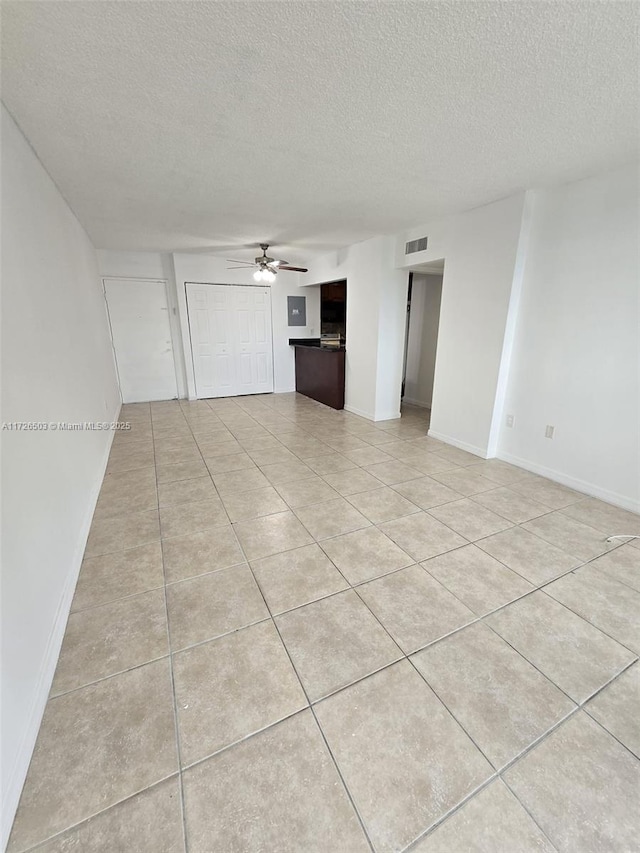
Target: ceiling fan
point(267, 268)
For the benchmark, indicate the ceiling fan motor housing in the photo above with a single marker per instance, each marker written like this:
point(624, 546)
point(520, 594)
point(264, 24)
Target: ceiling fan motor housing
point(263, 259)
point(266, 264)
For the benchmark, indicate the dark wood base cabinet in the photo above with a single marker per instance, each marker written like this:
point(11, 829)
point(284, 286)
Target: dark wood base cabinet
point(320, 375)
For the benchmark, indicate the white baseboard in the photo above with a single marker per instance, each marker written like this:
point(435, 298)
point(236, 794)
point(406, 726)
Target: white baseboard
point(275, 391)
point(574, 483)
point(358, 412)
point(11, 794)
point(463, 445)
point(387, 416)
point(420, 403)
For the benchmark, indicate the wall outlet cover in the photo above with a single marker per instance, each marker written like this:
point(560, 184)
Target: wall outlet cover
point(548, 433)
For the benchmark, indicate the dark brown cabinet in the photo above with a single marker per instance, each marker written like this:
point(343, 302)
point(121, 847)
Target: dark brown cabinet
point(320, 374)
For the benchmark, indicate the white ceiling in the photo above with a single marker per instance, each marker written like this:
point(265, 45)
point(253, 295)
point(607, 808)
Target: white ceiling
point(179, 125)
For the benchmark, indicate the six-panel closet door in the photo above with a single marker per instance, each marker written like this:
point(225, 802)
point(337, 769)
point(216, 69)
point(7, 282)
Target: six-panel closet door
point(230, 327)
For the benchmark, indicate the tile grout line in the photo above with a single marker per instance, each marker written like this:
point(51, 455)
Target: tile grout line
point(310, 707)
point(528, 812)
point(46, 841)
point(407, 657)
point(110, 601)
point(343, 780)
point(608, 731)
point(244, 739)
point(171, 653)
point(547, 677)
point(453, 716)
point(173, 687)
point(498, 774)
point(605, 574)
point(108, 677)
point(581, 707)
point(586, 619)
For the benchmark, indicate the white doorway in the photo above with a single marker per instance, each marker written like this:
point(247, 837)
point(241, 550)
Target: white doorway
point(141, 334)
point(422, 338)
point(231, 339)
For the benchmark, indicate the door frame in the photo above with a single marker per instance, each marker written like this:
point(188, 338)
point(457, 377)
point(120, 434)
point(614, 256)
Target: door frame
point(188, 322)
point(176, 342)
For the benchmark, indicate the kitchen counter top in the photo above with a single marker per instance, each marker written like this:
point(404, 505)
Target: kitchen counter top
point(314, 343)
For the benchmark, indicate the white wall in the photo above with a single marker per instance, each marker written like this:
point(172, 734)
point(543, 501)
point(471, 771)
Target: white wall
point(213, 270)
point(576, 362)
point(392, 330)
point(426, 294)
point(482, 249)
point(154, 266)
point(376, 315)
point(57, 365)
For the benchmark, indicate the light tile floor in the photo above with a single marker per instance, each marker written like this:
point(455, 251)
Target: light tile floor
point(297, 631)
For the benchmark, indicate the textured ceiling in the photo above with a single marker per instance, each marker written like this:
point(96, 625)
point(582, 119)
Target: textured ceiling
point(178, 125)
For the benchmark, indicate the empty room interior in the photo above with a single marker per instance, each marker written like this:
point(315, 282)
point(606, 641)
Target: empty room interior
point(320, 426)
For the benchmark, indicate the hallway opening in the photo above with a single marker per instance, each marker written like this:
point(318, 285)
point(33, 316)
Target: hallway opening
point(421, 343)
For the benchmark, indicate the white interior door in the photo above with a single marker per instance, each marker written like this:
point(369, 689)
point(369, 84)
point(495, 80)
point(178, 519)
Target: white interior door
point(141, 334)
point(231, 341)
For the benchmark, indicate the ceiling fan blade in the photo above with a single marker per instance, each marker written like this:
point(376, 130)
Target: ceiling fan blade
point(279, 263)
point(294, 269)
point(234, 261)
point(237, 268)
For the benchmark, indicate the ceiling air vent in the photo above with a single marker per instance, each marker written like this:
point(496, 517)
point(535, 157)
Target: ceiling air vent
point(418, 245)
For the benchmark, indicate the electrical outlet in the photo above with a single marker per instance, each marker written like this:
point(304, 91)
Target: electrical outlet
point(548, 433)
point(510, 420)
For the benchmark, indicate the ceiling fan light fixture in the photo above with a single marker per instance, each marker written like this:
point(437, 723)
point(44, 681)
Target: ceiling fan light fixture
point(267, 268)
point(264, 275)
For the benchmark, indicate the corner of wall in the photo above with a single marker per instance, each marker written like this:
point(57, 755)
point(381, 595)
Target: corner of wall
point(185, 336)
point(511, 324)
